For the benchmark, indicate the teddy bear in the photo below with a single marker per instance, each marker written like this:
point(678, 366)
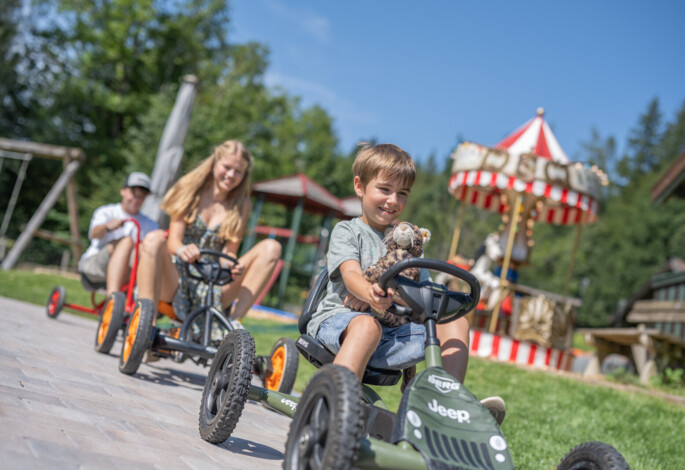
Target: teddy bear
point(403, 241)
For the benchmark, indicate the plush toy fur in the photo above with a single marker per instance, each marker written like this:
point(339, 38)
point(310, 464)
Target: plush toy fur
point(403, 241)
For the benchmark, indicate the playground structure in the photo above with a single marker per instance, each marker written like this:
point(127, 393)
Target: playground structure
point(299, 194)
point(527, 178)
point(72, 159)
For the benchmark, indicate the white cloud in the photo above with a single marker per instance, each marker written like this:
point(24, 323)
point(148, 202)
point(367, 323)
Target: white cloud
point(312, 93)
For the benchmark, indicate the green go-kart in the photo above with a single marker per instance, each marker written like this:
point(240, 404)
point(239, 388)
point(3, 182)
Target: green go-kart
point(200, 332)
point(339, 423)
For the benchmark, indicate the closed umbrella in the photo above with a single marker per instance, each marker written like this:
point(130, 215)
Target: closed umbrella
point(170, 152)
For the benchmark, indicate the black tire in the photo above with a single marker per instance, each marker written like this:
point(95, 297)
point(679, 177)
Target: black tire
point(56, 302)
point(284, 361)
point(137, 337)
point(111, 320)
point(593, 455)
point(226, 387)
point(327, 426)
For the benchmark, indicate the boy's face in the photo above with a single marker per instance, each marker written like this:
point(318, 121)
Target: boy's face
point(383, 200)
point(132, 199)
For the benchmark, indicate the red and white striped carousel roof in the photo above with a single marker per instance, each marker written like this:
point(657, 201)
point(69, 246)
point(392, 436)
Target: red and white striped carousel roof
point(535, 137)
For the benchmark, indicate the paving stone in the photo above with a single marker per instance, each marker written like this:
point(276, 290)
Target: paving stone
point(64, 406)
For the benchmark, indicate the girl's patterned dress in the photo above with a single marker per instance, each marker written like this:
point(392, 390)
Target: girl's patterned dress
point(191, 293)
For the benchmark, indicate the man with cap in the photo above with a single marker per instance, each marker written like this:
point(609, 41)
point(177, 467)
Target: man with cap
point(110, 254)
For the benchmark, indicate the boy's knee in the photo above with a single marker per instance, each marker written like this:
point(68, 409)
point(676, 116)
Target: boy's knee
point(125, 243)
point(367, 325)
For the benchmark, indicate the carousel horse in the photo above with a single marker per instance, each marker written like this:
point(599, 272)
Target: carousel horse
point(489, 253)
point(482, 266)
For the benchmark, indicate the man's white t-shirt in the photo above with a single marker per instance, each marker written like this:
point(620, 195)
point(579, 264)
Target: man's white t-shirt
point(114, 211)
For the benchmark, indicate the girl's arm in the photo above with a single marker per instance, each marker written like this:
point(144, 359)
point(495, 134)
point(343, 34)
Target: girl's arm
point(188, 253)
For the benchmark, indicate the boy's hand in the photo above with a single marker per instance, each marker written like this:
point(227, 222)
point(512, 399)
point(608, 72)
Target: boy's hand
point(379, 299)
point(355, 304)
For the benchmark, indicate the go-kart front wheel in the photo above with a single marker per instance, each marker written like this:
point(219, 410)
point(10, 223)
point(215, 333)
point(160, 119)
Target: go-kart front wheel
point(137, 337)
point(56, 301)
point(226, 387)
point(327, 426)
point(593, 455)
point(111, 319)
point(284, 361)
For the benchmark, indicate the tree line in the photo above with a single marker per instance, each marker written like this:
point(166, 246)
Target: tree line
point(105, 78)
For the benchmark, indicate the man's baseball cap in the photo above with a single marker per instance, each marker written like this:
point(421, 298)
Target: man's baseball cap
point(137, 179)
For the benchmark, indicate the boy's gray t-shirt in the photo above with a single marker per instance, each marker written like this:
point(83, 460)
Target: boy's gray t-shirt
point(350, 240)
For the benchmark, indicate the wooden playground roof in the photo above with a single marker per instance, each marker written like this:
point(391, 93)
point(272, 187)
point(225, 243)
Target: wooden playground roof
point(288, 190)
point(671, 183)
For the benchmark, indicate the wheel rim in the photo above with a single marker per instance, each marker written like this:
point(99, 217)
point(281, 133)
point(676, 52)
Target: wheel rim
point(131, 334)
point(273, 381)
point(105, 321)
point(311, 442)
point(218, 390)
point(54, 300)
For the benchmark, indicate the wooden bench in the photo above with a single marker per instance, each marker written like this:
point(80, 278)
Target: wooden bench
point(658, 340)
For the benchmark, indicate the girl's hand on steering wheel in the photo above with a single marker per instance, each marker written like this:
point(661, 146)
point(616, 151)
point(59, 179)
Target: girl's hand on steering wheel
point(188, 253)
point(238, 270)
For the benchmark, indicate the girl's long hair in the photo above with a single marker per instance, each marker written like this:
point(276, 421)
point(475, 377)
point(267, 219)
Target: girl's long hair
point(183, 197)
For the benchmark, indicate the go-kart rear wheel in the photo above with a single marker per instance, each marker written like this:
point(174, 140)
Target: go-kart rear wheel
point(56, 301)
point(593, 455)
point(228, 382)
point(327, 425)
point(284, 361)
point(137, 337)
point(111, 319)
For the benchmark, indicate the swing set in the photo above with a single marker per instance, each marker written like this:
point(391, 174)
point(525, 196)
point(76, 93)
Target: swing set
point(24, 151)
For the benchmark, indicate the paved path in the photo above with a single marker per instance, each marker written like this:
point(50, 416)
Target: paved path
point(64, 406)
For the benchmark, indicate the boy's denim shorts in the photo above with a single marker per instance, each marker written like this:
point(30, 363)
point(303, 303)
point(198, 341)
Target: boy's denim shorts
point(399, 348)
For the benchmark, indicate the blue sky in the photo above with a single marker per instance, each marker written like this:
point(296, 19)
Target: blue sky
point(425, 74)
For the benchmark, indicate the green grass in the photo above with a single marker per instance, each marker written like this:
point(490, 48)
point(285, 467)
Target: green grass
point(547, 414)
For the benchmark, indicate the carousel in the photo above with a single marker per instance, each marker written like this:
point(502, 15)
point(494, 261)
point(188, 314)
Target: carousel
point(528, 179)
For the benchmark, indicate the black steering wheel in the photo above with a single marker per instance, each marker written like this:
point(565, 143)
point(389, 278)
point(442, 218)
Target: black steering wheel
point(427, 299)
point(211, 270)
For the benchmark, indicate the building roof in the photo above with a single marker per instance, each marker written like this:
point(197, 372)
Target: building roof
point(671, 183)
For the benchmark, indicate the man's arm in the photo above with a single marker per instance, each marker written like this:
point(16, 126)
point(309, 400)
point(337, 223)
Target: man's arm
point(99, 231)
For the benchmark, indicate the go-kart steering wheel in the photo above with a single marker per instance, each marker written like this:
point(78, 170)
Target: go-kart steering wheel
point(427, 299)
point(211, 271)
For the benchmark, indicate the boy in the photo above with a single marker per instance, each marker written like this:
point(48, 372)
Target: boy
point(383, 177)
point(109, 256)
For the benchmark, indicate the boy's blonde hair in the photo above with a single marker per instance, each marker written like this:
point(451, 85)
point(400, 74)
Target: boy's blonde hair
point(387, 159)
point(183, 198)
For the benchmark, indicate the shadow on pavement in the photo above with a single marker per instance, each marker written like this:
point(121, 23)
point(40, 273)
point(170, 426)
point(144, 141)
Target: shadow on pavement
point(252, 449)
point(172, 377)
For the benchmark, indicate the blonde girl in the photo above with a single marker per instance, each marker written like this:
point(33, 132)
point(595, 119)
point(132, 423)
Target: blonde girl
point(209, 208)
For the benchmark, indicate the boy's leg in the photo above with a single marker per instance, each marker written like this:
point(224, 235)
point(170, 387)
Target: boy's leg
point(454, 342)
point(118, 268)
point(358, 343)
point(259, 262)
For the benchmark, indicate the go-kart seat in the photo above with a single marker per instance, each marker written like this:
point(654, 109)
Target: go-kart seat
point(318, 354)
point(91, 286)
